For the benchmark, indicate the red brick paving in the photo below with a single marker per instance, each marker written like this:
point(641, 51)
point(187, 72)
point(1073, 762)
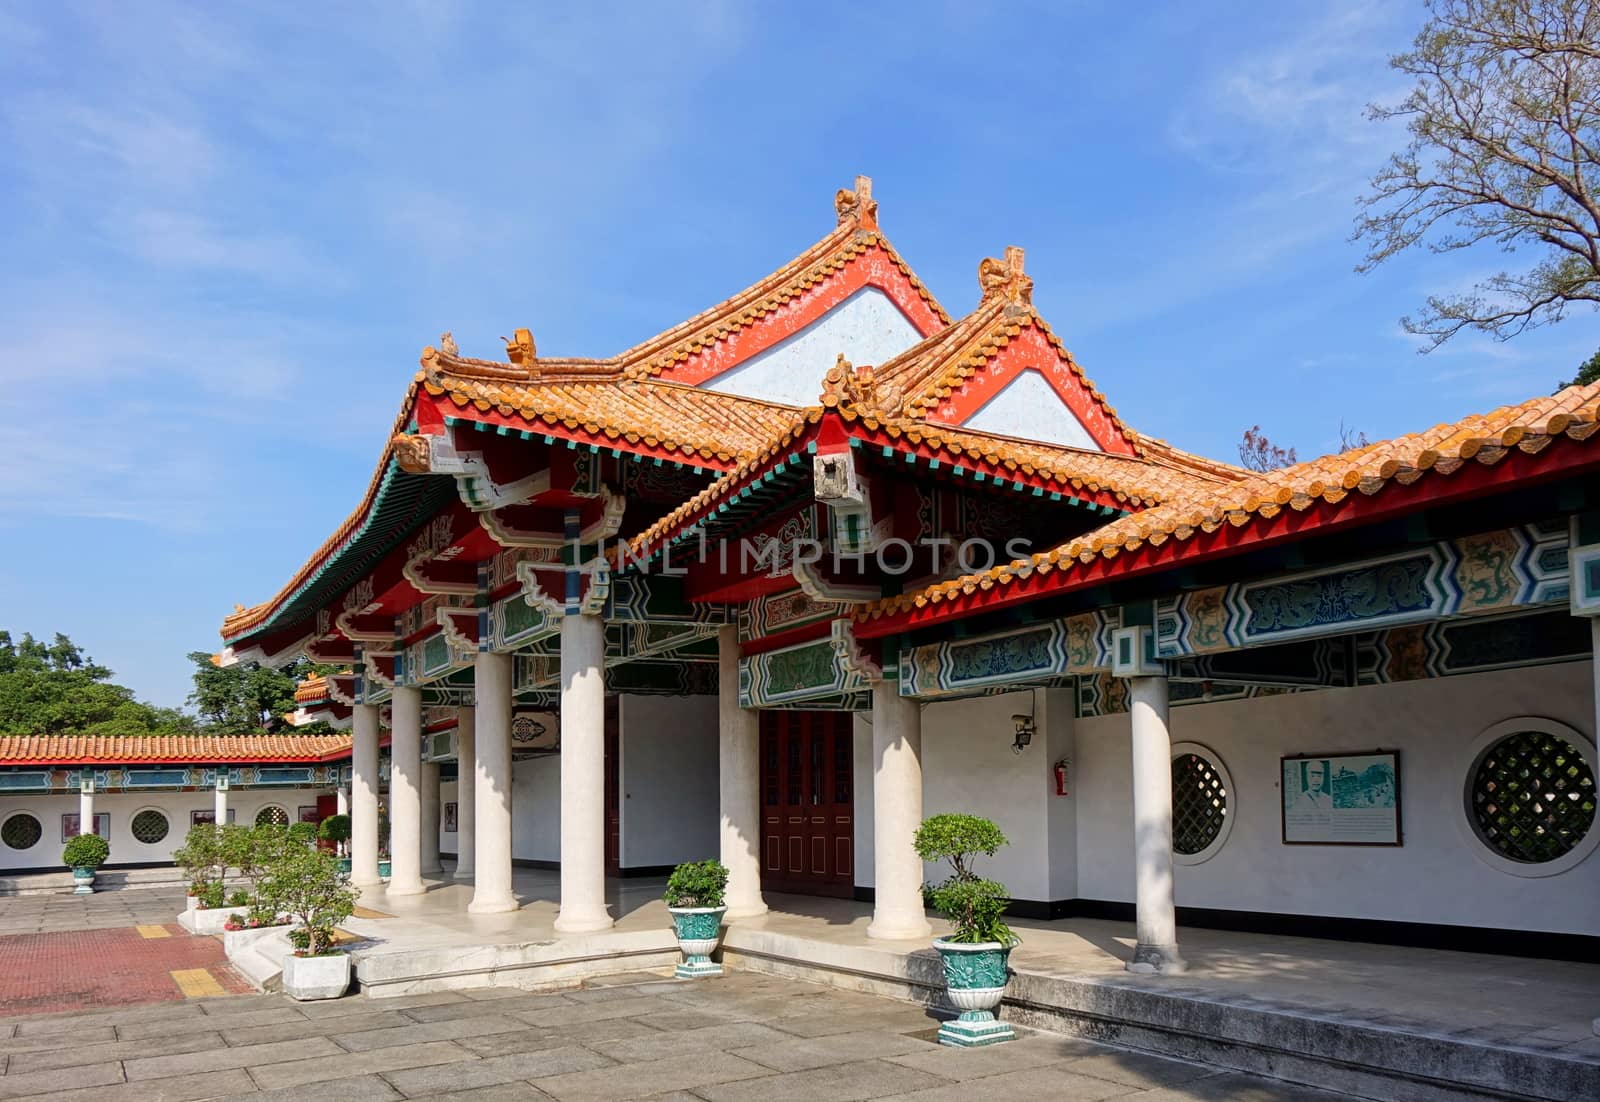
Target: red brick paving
point(92, 969)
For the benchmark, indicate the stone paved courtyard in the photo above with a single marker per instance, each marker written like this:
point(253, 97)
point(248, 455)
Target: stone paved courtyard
point(745, 1036)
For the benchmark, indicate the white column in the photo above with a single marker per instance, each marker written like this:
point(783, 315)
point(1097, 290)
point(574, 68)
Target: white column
point(897, 910)
point(342, 796)
point(430, 819)
point(492, 786)
point(739, 783)
point(583, 775)
point(1156, 922)
point(466, 773)
point(86, 808)
point(364, 797)
point(220, 806)
point(405, 792)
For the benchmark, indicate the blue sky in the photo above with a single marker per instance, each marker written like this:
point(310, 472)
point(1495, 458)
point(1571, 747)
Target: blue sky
point(230, 229)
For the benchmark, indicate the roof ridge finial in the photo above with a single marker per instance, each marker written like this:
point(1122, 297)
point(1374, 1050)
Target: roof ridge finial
point(1005, 278)
point(520, 349)
point(857, 208)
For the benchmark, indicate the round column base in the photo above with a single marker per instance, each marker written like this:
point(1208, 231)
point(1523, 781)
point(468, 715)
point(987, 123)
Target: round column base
point(416, 887)
point(745, 910)
point(583, 918)
point(1151, 960)
point(463, 873)
point(492, 905)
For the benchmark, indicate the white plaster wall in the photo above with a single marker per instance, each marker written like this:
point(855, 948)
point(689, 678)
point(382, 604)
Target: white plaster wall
point(1058, 734)
point(867, 327)
point(1028, 407)
point(864, 866)
point(1434, 877)
point(536, 809)
point(121, 806)
point(670, 800)
point(968, 766)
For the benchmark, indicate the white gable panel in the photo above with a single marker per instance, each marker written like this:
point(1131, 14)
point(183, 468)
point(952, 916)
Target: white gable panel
point(1028, 407)
point(867, 327)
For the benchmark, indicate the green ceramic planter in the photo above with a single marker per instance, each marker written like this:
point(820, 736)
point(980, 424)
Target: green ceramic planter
point(698, 929)
point(383, 869)
point(975, 978)
point(82, 881)
point(344, 864)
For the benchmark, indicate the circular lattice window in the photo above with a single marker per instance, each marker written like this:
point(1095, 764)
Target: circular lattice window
point(272, 815)
point(1531, 794)
point(149, 826)
point(21, 832)
point(1201, 814)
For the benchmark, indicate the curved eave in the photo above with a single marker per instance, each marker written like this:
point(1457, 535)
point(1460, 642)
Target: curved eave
point(401, 504)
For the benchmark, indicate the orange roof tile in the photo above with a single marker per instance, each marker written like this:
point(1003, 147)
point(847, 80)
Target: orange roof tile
point(698, 424)
point(136, 749)
point(1531, 426)
point(312, 689)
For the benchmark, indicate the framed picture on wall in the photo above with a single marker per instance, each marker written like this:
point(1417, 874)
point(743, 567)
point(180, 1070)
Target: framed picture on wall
point(309, 814)
point(450, 818)
point(1341, 799)
point(208, 817)
point(69, 825)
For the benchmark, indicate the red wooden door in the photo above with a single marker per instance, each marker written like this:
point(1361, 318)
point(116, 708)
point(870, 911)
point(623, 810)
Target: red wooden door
point(326, 806)
point(808, 802)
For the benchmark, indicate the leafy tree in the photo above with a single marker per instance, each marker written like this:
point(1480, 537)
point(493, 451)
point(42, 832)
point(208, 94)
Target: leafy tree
point(247, 696)
point(1504, 120)
point(1588, 372)
point(1257, 453)
point(53, 688)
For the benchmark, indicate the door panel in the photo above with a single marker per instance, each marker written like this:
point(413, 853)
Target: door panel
point(807, 802)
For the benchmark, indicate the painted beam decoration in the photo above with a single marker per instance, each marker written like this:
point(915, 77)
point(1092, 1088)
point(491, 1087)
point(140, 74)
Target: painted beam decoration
point(1072, 646)
point(1487, 573)
point(806, 673)
point(175, 778)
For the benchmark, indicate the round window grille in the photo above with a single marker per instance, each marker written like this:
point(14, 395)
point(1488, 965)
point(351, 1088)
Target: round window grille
point(1532, 797)
point(149, 826)
point(21, 832)
point(1199, 803)
point(272, 815)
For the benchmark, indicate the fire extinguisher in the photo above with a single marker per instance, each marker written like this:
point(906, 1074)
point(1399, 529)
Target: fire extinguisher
point(1061, 777)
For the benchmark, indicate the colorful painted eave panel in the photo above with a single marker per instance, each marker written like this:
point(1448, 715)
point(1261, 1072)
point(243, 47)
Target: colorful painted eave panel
point(176, 778)
point(1489, 572)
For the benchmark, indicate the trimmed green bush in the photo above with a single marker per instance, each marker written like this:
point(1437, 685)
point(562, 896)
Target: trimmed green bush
point(86, 851)
point(335, 829)
point(697, 884)
point(971, 904)
point(203, 861)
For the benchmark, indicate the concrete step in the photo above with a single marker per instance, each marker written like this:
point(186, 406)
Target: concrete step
point(1389, 1061)
point(57, 883)
point(384, 970)
point(258, 955)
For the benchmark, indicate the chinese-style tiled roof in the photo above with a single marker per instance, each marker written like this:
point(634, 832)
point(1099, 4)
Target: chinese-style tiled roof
point(929, 372)
point(616, 398)
point(1487, 439)
point(311, 690)
point(697, 424)
point(150, 749)
point(1132, 483)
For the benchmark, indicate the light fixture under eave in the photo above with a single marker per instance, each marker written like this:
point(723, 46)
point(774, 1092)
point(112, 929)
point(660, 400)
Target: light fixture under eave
point(1025, 726)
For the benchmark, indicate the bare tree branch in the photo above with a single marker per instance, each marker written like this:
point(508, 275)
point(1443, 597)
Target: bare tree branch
point(1504, 124)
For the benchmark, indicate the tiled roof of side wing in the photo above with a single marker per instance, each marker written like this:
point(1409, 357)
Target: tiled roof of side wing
point(1573, 413)
point(929, 372)
point(134, 749)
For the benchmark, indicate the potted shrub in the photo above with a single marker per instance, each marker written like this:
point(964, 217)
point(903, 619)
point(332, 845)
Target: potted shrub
point(695, 896)
point(83, 855)
point(976, 951)
point(335, 829)
point(307, 886)
point(202, 860)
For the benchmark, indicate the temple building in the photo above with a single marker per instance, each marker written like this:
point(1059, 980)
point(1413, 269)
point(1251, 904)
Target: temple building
point(822, 560)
